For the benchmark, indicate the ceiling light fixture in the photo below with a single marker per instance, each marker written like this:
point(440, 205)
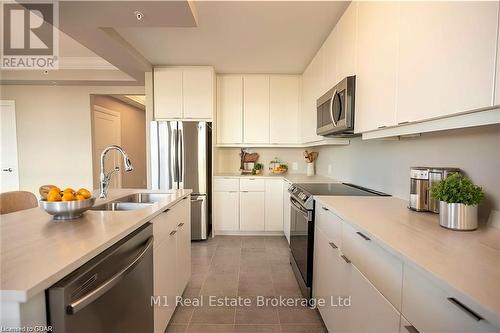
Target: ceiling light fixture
point(138, 15)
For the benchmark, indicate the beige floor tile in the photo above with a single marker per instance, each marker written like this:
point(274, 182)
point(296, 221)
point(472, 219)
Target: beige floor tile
point(213, 315)
point(304, 328)
point(173, 328)
point(257, 329)
point(210, 328)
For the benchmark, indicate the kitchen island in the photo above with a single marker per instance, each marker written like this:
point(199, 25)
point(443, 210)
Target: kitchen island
point(37, 251)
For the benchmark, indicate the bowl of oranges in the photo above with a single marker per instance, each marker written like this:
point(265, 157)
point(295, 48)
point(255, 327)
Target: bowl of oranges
point(65, 204)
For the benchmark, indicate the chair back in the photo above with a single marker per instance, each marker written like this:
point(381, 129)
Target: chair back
point(17, 200)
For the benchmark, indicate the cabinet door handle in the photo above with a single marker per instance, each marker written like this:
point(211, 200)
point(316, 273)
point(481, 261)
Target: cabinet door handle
point(180, 224)
point(384, 126)
point(346, 259)
point(244, 191)
point(173, 232)
point(411, 329)
point(362, 235)
point(324, 208)
point(402, 123)
point(465, 309)
point(332, 244)
point(166, 210)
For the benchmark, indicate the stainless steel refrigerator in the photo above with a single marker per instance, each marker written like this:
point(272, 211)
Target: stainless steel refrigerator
point(181, 158)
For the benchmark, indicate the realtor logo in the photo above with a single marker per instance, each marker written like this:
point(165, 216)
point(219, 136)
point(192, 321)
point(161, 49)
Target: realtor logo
point(30, 39)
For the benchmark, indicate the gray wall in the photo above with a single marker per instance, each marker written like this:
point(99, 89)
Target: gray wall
point(384, 165)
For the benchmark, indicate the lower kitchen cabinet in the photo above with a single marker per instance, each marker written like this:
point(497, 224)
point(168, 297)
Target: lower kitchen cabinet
point(227, 211)
point(335, 280)
point(171, 259)
point(274, 205)
point(252, 214)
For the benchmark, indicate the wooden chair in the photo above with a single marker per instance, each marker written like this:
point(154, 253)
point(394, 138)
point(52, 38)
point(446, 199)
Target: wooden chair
point(17, 200)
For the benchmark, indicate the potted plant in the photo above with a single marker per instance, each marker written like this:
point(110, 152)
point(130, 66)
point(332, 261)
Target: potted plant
point(458, 200)
point(257, 168)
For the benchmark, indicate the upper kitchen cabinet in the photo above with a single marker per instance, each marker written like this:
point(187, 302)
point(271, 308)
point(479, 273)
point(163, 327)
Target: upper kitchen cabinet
point(198, 92)
point(345, 43)
point(183, 92)
point(284, 109)
point(256, 109)
point(329, 70)
point(229, 109)
point(167, 92)
point(446, 58)
point(312, 88)
point(376, 65)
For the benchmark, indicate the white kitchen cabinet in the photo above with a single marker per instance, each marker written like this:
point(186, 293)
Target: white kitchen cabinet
point(168, 102)
point(286, 210)
point(252, 215)
point(227, 211)
point(171, 259)
point(274, 205)
point(198, 92)
point(446, 58)
point(329, 71)
point(496, 100)
point(229, 109)
point(335, 276)
point(256, 109)
point(252, 184)
point(284, 108)
point(406, 326)
point(376, 65)
point(226, 184)
point(345, 43)
point(312, 89)
point(329, 223)
point(383, 269)
point(431, 309)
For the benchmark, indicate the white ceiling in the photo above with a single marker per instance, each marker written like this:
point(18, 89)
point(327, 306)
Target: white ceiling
point(242, 36)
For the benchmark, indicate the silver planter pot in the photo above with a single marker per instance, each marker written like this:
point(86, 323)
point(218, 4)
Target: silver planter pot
point(457, 216)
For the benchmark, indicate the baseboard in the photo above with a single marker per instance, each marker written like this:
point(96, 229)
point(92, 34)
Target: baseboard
point(248, 233)
point(494, 219)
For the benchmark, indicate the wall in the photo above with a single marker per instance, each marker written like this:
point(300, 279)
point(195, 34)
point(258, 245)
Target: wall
point(385, 165)
point(54, 132)
point(133, 139)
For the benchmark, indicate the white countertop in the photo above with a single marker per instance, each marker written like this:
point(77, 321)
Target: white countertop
point(469, 262)
point(291, 177)
point(36, 251)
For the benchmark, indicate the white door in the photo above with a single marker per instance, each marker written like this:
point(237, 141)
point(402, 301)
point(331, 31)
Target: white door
point(252, 211)
point(106, 131)
point(274, 205)
point(168, 93)
point(229, 109)
point(198, 92)
point(284, 108)
point(9, 164)
point(256, 109)
point(226, 211)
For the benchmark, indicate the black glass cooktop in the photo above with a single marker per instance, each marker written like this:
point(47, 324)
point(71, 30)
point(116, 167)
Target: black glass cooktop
point(339, 189)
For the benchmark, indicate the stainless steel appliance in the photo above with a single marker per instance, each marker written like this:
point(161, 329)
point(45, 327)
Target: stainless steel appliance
point(110, 293)
point(335, 109)
point(302, 224)
point(421, 181)
point(181, 157)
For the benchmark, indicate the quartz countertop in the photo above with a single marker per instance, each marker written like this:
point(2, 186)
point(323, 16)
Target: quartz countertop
point(36, 251)
point(290, 177)
point(468, 262)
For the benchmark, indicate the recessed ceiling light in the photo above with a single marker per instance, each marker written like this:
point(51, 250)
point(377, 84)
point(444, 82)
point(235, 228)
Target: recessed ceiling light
point(138, 15)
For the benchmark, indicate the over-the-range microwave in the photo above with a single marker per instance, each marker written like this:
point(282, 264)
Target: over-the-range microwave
point(335, 109)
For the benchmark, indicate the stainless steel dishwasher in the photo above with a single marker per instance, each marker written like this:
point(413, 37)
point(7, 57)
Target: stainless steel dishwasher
point(110, 293)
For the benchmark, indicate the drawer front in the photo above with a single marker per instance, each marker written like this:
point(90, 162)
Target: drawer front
point(252, 185)
point(329, 223)
point(384, 270)
point(163, 224)
point(226, 184)
point(431, 309)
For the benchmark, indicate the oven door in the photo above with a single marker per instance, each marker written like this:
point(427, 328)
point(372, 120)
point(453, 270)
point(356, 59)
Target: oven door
point(301, 239)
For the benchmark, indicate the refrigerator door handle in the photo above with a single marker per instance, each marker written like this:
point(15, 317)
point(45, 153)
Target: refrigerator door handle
point(181, 156)
point(173, 161)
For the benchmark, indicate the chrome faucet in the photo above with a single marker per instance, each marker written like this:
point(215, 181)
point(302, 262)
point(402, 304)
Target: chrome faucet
point(106, 177)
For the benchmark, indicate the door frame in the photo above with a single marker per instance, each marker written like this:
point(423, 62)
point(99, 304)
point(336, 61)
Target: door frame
point(95, 161)
point(12, 103)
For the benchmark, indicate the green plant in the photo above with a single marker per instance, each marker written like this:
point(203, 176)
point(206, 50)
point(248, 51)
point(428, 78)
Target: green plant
point(457, 188)
point(258, 166)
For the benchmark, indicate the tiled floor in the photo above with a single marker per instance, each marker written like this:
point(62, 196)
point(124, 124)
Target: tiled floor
point(248, 267)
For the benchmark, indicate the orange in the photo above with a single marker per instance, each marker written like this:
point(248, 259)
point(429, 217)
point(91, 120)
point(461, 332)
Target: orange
point(68, 196)
point(80, 197)
point(84, 192)
point(69, 189)
point(53, 196)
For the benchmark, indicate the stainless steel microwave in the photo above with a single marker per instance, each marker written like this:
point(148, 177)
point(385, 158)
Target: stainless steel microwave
point(335, 109)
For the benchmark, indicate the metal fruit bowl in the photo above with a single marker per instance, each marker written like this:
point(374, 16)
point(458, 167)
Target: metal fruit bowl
point(67, 210)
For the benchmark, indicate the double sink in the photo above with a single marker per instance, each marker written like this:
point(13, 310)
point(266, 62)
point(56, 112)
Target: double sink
point(132, 202)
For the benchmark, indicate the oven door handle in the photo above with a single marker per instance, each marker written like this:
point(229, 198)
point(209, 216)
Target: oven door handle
point(297, 206)
point(110, 283)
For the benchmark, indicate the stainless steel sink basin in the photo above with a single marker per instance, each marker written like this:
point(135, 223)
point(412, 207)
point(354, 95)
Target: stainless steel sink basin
point(143, 197)
point(121, 206)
